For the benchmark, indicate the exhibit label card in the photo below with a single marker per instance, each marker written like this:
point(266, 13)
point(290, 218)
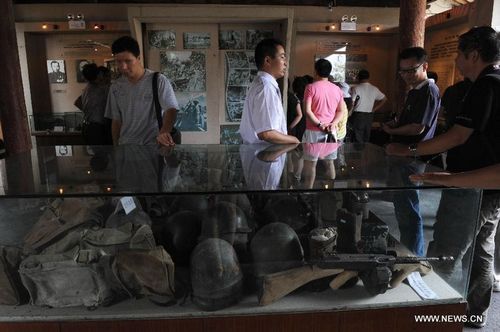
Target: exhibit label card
point(420, 287)
point(128, 204)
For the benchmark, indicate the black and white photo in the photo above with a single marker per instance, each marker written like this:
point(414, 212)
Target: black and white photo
point(192, 115)
point(57, 71)
point(196, 40)
point(229, 134)
point(79, 67)
point(237, 59)
point(234, 111)
point(231, 40)
point(164, 39)
point(185, 70)
point(255, 36)
point(239, 77)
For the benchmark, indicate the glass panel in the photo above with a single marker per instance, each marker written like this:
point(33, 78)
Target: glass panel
point(82, 170)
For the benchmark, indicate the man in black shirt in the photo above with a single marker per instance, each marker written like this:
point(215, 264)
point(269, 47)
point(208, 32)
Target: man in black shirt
point(473, 142)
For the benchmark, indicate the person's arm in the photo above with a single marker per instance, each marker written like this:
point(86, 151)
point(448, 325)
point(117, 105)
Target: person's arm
point(298, 116)
point(275, 137)
point(456, 136)
point(309, 113)
point(116, 127)
point(164, 137)
point(379, 104)
point(273, 152)
point(411, 129)
point(485, 178)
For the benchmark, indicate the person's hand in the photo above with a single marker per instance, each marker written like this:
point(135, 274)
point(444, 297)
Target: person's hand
point(164, 138)
point(397, 149)
point(324, 127)
point(386, 128)
point(440, 178)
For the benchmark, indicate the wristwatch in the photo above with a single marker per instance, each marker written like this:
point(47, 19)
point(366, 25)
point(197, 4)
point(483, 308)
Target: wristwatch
point(413, 149)
point(319, 124)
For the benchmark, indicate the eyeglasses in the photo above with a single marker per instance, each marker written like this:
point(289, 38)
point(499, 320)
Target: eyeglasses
point(412, 70)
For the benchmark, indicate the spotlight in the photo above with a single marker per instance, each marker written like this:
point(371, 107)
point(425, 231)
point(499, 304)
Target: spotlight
point(368, 28)
point(345, 18)
point(354, 18)
point(80, 16)
point(98, 27)
point(44, 26)
point(377, 27)
point(70, 17)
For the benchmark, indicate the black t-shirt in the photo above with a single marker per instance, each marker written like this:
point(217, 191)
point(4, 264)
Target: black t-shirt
point(452, 100)
point(480, 112)
point(422, 107)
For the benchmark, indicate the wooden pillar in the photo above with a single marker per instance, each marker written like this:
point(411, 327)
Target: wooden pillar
point(411, 33)
point(12, 106)
point(412, 23)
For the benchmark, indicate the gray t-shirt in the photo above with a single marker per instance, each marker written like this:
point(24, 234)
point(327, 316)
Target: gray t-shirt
point(132, 104)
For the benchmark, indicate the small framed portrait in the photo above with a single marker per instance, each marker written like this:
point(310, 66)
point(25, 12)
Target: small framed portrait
point(79, 67)
point(57, 71)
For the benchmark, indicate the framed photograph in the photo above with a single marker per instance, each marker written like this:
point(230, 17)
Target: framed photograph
point(185, 70)
point(162, 39)
point(234, 111)
point(255, 36)
point(239, 77)
point(57, 71)
point(79, 64)
point(192, 115)
point(231, 40)
point(196, 40)
point(111, 65)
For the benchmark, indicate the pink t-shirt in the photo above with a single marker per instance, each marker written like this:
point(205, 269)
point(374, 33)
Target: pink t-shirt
point(325, 98)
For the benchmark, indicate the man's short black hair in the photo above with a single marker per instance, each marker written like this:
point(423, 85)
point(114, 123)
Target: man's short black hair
point(90, 72)
point(126, 44)
point(363, 74)
point(323, 68)
point(482, 39)
point(266, 47)
point(417, 53)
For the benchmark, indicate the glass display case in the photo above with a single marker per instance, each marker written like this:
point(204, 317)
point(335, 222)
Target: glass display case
point(203, 231)
point(56, 122)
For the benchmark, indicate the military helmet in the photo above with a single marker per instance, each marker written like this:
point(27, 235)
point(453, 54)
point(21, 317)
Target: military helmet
point(225, 220)
point(216, 276)
point(287, 209)
point(181, 235)
point(276, 247)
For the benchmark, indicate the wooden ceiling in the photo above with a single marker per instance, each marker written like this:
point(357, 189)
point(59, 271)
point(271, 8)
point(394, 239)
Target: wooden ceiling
point(325, 3)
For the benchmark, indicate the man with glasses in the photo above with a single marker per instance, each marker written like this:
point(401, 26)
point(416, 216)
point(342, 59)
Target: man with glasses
point(473, 142)
point(416, 123)
point(263, 118)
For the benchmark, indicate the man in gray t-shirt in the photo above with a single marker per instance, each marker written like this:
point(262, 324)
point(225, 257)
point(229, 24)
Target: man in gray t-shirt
point(130, 102)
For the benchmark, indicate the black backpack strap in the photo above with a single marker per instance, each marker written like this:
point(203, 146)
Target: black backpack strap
point(156, 100)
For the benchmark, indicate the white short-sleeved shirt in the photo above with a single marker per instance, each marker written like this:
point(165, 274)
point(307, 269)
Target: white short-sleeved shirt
point(263, 109)
point(260, 174)
point(132, 104)
point(368, 94)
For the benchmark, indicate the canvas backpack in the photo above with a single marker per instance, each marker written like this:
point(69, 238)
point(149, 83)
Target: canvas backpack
point(12, 291)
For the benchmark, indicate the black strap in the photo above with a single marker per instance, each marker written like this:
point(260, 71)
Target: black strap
point(156, 100)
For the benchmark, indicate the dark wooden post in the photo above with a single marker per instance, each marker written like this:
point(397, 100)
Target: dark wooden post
point(411, 33)
point(412, 23)
point(12, 106)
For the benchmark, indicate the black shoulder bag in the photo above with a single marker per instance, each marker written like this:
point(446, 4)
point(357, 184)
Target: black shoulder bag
point(176, 134)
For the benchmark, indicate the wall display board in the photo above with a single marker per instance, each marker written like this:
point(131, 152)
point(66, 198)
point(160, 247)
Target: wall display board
point(240, 72)
point(185, 70)
point(255, 36)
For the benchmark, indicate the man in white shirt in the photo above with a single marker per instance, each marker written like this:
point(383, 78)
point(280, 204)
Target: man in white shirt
point(367, 99)
point(263, 118)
